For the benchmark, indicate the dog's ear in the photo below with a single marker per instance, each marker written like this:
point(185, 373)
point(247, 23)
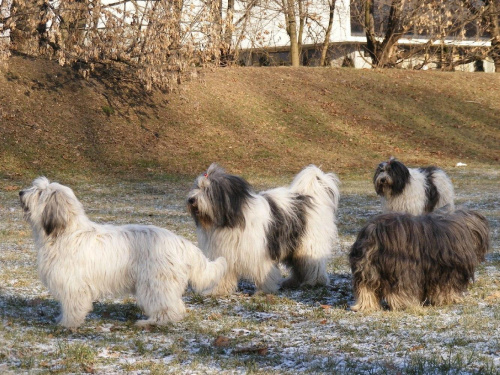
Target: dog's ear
point(213, 169)
point(400, 176)
point(55, 215)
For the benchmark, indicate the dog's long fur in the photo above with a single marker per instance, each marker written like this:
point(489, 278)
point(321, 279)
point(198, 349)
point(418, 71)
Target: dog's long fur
point(412, 190)
point(410, 260)
point(294, 225)
point(80, 261)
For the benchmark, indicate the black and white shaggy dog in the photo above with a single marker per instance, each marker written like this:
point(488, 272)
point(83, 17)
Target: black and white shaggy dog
point(412, 190)
point(80, 261)
point(254, 231)
point(410, 260)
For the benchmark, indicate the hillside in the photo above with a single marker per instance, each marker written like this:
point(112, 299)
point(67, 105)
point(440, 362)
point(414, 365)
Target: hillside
point(264, 121)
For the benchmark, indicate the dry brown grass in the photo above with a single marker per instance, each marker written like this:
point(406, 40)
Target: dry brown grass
point(255, 121)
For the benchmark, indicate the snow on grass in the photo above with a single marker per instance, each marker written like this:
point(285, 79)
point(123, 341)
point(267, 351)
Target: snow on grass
point(308, 330)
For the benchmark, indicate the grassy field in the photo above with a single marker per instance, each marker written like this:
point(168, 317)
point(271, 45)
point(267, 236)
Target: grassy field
point(131, 157)
point(311, 330)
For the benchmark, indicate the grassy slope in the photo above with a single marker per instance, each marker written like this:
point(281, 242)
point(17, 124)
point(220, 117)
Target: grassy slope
point(264, 121)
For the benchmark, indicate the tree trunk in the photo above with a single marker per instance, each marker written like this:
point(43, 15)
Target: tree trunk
point(326, 43)
point(302, 19)
point(292, 33)
point(382, 53)
point(369, 24)
point(227, 40)
point(392, 34)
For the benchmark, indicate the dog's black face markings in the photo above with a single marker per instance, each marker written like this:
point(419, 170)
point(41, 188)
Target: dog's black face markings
point(192, 207)
point(286, 227)
point(399, 174)
point(24, 206)
point(229, 195)
point(431, 191)
point(397, 177)
point(379, 187)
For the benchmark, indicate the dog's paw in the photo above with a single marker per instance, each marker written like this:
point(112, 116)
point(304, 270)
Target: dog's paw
point(145, 324)
point(290, 283)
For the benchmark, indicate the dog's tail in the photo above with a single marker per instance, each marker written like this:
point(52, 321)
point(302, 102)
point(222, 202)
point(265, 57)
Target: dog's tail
point(324, 187)
point(204, 274)
point(478, 226)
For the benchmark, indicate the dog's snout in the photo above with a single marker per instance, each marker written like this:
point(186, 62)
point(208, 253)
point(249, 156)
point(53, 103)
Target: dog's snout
point(191, 200)
point(21, 193)
point(383, 180)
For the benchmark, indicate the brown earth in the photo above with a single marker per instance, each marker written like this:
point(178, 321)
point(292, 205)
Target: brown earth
point(261, 121)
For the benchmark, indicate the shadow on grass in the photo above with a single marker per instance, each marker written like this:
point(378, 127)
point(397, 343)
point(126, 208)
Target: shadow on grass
point(39, 311)
point(337, 294)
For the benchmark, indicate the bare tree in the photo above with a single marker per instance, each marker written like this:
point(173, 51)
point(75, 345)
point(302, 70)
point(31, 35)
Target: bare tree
point(435, 26)
point(156, 39)
point(326, 41)
point(385, 22)
point(291, 29)
point(487, 13)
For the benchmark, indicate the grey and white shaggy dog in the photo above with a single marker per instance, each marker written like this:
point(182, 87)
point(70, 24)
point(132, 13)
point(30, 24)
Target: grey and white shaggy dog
point(412, 190)
point(80, 261)
point(410, 260)
point(255, 231)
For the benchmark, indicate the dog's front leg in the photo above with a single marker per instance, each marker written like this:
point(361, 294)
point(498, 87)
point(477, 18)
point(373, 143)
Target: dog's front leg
point(366, 299)
point(74, 309)
point(269, 281)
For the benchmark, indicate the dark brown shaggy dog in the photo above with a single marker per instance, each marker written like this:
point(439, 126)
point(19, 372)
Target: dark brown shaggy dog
point(410, 260)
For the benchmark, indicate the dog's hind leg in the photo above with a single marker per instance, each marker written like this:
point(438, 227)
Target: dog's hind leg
point(444, 295)
point(310, 272)
point(160, 296)
point(400, 301)
point(174, 312)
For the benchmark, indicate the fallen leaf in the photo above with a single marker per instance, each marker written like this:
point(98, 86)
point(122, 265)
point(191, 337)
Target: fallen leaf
point(88, 369)
point(493, 296)
point(325, 307)
point(214, 316)
point(11, 188)
point(221, 341)
point(270, 299)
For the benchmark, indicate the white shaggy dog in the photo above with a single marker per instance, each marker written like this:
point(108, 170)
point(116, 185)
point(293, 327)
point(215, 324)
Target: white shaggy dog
point(412, 190)
point(80, 261)
point(294, 225)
